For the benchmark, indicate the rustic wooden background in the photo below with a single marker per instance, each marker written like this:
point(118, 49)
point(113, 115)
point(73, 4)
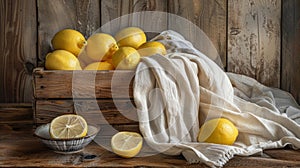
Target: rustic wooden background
point(258, 38)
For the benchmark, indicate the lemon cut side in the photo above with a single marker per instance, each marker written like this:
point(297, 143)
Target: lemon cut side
point(126, 144)
point(68, 126)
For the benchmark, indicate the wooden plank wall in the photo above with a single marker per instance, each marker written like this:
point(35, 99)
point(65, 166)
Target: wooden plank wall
point(258, 38)
point(254, 39)
point(18, 28)
point(290, 59)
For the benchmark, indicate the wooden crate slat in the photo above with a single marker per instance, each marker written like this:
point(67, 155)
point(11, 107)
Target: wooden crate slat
point(82, 84)
point(102, 111)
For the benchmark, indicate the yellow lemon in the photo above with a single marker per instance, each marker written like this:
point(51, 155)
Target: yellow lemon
point(109, 61)
point(127, 144)
point(62, 60)
point(68, 126)
point(100, 66)
point(219, 131)
point(151, 48)
point(101, 46)
point(131, 37)
point(126, 58)
point(68, 39)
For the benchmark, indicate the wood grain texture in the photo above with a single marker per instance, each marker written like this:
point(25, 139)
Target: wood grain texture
point(102, 111)
point(16, 113)
point(118, 14)
point(18, 148)
point(208, 15)
point(18, 50)
point(290, 59)
point(254, 39)
point(83, 84)
point(55, 15)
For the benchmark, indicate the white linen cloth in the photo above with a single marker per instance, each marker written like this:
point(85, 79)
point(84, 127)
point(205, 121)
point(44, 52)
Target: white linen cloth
point(175, 94)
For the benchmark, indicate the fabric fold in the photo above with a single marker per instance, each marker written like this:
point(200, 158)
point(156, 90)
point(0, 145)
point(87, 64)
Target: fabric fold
point(176, 94)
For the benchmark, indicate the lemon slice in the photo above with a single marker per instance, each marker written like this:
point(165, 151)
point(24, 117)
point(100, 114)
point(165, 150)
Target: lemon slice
point(127, 144)
point(68, 126)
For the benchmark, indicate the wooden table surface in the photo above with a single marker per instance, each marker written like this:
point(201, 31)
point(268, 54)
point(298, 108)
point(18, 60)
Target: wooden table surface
point(19, 148)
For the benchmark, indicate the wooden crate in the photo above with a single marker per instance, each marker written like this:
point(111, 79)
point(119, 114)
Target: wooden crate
point(88, 93)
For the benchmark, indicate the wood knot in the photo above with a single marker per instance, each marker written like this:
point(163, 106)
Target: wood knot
point(234, 31)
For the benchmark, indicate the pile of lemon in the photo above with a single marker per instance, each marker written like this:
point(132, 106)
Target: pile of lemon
point(101, 51)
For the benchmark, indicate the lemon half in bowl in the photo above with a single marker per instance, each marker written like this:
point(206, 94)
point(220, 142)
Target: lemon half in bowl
point(65, 146)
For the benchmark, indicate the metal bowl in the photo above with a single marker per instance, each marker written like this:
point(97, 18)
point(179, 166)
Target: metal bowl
point(65, 146)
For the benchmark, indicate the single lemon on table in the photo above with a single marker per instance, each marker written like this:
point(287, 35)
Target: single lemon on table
point(68, 126)
point(131, 37)
point(127, 144)
point(61, 60)
point(151, 48)
point(70, 40)
point(126, 58)
point(101, 46)
point(100, 66)
point(219, 131)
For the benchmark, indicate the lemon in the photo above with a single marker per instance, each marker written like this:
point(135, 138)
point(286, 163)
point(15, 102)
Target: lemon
point(68, 39)
point(219, 131)
point(151, 48)
point(61, 60)
point(100, 66)
point(126, 58)
point(68, 126)
point(109, 61)
point(127, 144)
point(101, 46)
point(131, 37)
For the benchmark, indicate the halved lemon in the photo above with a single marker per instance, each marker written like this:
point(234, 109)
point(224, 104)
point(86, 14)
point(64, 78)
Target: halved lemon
point(127, 144)
point(68, 126)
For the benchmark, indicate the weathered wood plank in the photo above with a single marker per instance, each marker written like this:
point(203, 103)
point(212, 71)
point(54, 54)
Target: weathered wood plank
point(283, 154)
point(83, 84)
point(18, 148)
point(118, 14)
point(102, 111)
point(254, 39)
point(110, 130)
point(55, 15)
point(290, 61)
point(18, 50)
point(208, 15)
point(16, 113)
